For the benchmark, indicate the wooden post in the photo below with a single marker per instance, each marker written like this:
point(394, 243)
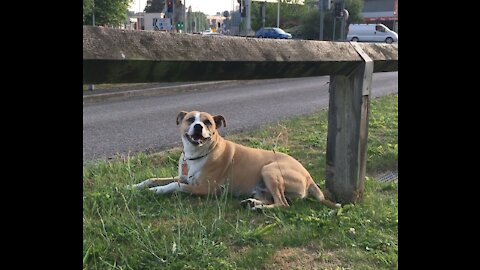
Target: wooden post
point(348, 132)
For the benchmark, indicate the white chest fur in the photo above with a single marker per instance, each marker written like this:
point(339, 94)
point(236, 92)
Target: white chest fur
point(194, 169)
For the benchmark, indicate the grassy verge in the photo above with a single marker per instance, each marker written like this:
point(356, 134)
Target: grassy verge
point(129, 229)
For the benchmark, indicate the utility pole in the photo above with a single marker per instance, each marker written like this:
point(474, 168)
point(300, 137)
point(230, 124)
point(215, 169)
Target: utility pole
point(337, 7)
point(262, 12)
point(185, 23)
point(322, 17)
point(278, 14)
point(334, 20)
point(248, 5)
point(93, 13)
point(342, 24)
point(91, 87)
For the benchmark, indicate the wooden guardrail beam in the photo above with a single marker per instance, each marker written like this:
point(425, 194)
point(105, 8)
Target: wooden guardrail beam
point(129, 56)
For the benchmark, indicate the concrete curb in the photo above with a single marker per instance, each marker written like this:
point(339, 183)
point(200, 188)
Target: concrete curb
point(116, 95)
point(127, 94)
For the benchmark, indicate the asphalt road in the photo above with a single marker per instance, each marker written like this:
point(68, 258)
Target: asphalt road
point(148, 124)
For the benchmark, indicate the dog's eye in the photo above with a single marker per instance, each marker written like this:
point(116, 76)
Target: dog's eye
point(191, 120)
point(207, 122)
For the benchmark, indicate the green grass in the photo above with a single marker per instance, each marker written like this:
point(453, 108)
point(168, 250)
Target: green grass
point(131, 229)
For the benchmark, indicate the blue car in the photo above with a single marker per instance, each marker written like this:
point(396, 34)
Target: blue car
point(272, 32)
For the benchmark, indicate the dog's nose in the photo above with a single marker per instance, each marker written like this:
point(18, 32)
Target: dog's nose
point(197, 128)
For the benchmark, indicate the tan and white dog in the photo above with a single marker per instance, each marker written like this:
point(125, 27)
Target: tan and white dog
point(209, 164)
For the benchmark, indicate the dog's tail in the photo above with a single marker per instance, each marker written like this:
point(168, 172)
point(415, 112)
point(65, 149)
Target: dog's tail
point(318, 194)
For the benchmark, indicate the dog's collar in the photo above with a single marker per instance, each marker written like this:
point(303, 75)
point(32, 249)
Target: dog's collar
point(195, 158)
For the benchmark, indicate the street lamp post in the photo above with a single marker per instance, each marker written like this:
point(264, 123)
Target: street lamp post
point(322, 17)
point(342, 23)
point(185, 23)
point(91, 87)
point(93, 13)
point(278, 14)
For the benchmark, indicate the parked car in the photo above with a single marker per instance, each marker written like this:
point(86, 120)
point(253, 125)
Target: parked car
point(272, 32)
point(212, 34)
point(371, 33)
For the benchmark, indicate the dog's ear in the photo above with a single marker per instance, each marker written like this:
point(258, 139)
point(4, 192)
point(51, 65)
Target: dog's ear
point(180, 116)
point(219, 119)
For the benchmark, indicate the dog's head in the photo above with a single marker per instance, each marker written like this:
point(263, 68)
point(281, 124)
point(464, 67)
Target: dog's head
point(198, 128)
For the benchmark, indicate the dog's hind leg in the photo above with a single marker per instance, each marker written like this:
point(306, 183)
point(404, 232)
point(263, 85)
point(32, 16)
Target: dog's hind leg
point(259, 200)
point(274, 182)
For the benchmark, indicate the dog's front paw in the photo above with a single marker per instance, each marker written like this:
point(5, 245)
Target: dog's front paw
point(258, 207)
point(252, 204)
point(140, 185)
point(157, 190)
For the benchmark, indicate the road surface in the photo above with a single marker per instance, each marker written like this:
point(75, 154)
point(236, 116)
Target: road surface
point(148, 124)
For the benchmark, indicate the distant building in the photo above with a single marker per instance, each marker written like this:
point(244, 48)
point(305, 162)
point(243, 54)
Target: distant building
point(131, 21)
point(216, 23)
point(381, 11)
point(150, 21)
point(157, 20)
point(138, 20)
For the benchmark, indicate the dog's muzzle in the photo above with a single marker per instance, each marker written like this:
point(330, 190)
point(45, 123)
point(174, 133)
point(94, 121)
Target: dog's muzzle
point(197, 137)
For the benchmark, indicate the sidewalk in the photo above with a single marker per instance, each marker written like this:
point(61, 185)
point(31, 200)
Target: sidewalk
point(125, 91)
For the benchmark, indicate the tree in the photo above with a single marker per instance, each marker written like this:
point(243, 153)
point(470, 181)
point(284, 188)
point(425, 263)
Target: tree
point(305, 19)
point(354, 8)
point(197, 20)
point(154, 6)
point(290, 15)
point(107, 12)
point(311, 22)
point(87, 9)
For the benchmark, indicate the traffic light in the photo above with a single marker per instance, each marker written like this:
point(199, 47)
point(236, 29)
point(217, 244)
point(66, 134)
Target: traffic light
point(170, 6)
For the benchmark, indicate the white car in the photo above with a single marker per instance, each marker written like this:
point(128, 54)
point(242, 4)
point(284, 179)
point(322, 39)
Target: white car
point(212, 34)
point(371, 32)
